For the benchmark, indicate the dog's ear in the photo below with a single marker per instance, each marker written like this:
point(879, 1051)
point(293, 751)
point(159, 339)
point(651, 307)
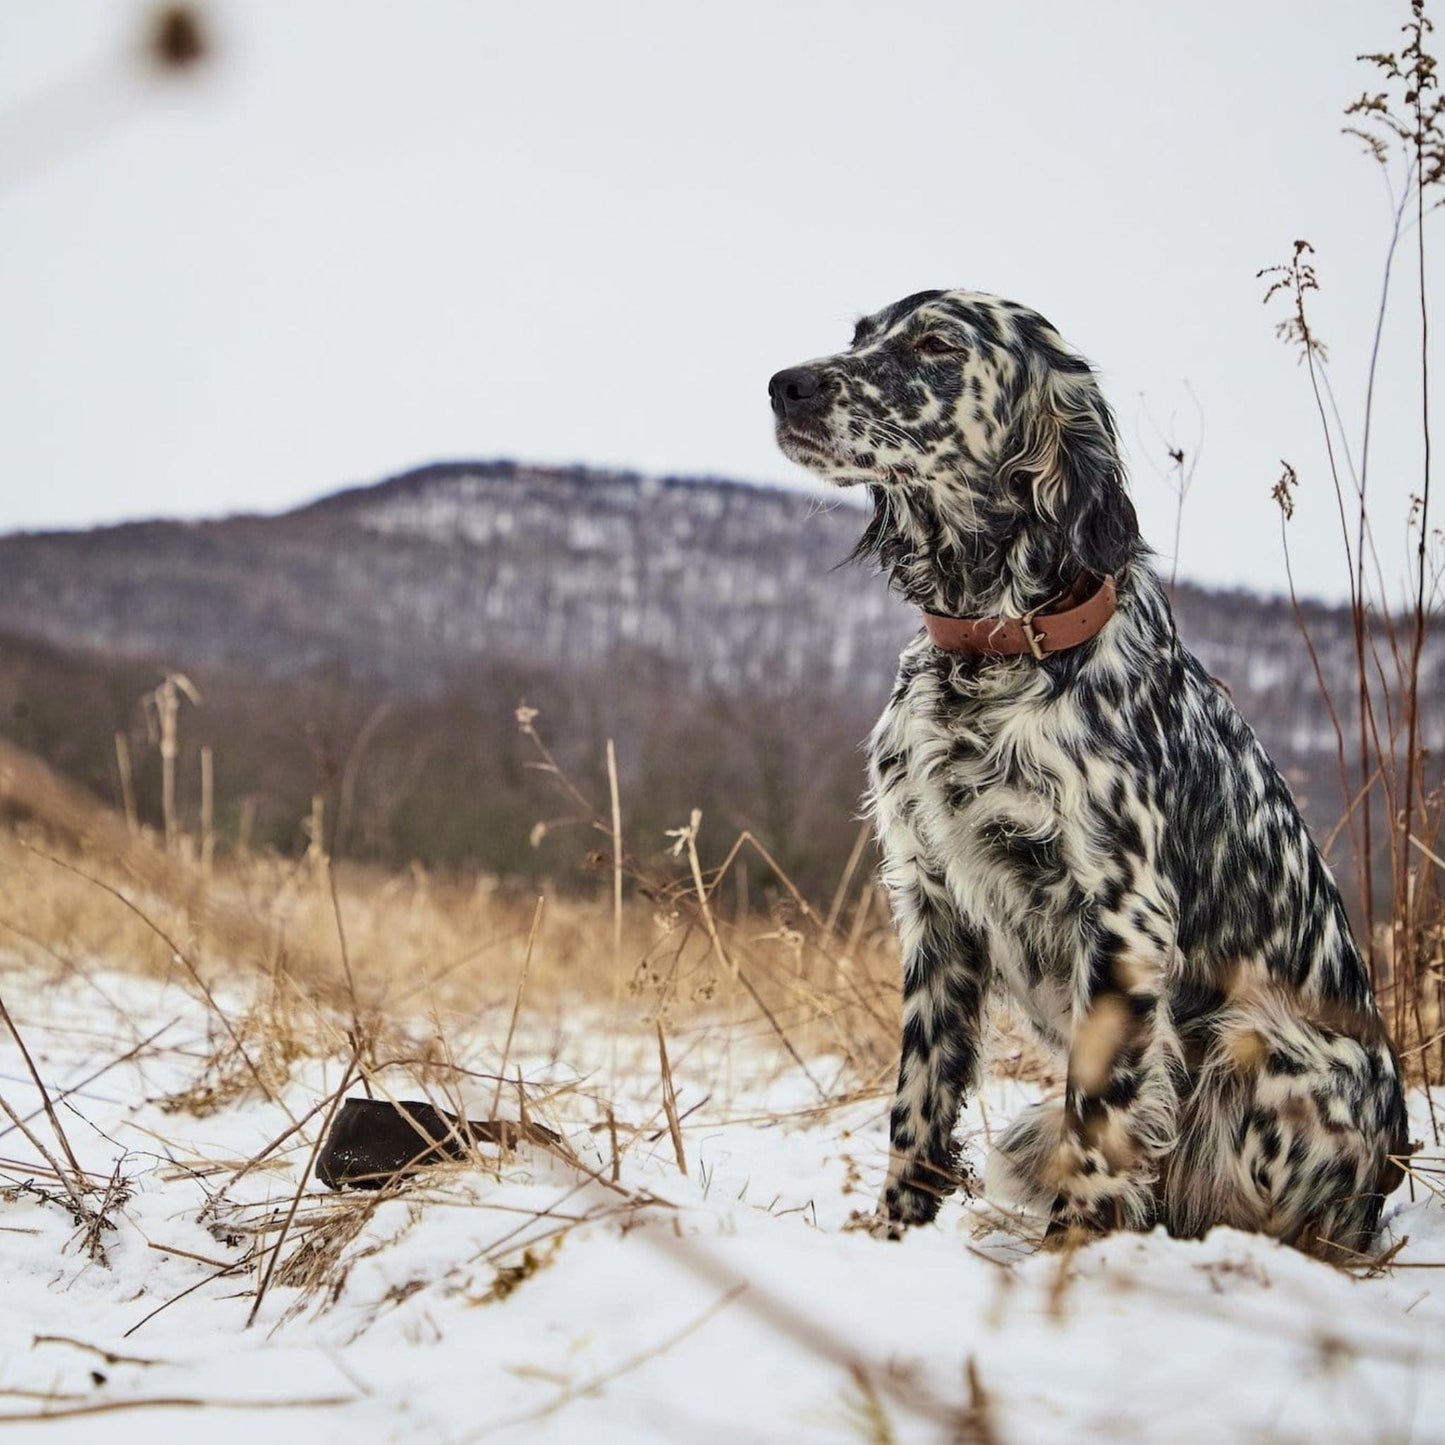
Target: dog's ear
point(1070, 464)
point(1096, 513)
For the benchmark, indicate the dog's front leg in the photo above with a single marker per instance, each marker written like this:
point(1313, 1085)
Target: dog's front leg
point(1121, 1102)
point(945, 978)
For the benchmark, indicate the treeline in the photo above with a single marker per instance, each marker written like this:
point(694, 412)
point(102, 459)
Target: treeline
point(450, 780)
point(371, 650)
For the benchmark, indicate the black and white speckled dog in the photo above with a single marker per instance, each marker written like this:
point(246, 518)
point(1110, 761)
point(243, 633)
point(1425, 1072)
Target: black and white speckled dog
point(1068, 807)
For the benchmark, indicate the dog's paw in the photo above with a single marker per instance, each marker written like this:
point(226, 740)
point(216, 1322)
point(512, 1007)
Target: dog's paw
point(875, 1223)
point(1064, 1236)
point(915, 1196)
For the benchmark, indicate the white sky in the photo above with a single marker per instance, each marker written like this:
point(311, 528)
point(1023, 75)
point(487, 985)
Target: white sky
point(375, 235)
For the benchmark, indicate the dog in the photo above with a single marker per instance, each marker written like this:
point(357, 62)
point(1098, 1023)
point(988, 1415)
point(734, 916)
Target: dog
point(1070, 810)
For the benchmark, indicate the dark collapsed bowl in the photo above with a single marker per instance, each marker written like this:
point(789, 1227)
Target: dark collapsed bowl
point(373, 1141)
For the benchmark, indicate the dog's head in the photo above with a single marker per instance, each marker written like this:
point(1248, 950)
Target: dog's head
point(988, 449)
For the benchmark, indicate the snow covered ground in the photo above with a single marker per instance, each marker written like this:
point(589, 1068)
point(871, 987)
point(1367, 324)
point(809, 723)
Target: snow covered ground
point(536, 1299)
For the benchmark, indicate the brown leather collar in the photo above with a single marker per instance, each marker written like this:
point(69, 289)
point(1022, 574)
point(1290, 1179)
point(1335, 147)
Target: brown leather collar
point(1038, 632)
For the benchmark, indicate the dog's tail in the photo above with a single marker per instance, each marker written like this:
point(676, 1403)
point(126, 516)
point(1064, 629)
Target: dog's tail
point(1293, 1129)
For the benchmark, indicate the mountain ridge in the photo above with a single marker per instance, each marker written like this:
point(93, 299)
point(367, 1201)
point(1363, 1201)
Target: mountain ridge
point(715, 629)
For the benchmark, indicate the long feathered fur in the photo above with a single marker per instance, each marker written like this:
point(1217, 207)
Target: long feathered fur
point(1099, 834)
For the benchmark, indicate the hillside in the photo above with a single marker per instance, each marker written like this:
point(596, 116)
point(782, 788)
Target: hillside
point(712, 629)
point(410, 581)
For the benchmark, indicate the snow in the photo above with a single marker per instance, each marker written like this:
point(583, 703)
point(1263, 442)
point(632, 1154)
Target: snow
point(731, 1303)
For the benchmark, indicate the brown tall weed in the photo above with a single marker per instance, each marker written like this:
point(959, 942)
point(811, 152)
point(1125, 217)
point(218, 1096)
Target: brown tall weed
point(1402, 126)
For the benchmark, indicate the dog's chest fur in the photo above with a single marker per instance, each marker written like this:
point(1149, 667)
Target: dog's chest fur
point(993, 778)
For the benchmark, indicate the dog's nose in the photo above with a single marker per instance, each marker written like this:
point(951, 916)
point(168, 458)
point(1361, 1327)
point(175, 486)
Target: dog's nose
point(795, 391)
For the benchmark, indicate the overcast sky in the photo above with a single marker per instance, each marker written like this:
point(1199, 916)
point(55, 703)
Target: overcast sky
point(369, 236)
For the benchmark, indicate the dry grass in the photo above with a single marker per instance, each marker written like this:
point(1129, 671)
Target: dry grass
point(1394, 802)
point(298, 961)
point(416, 945)
point(334, 958)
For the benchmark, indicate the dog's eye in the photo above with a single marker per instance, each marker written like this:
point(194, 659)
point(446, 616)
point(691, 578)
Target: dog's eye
point(933, 344)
